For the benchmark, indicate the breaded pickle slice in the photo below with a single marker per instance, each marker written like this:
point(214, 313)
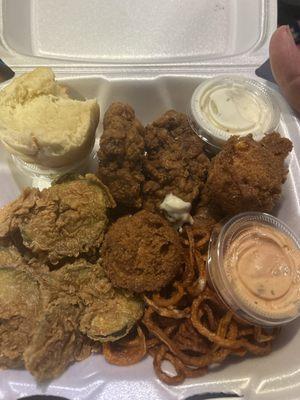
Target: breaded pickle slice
point(108, 313)
point(10, 256)
point(20, 306)
point(66, 220)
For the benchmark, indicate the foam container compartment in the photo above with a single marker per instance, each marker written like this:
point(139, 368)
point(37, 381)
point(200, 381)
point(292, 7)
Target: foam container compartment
point(151, 55)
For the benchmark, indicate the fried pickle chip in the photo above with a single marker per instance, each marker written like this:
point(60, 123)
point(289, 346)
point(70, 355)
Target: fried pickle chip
point(10, 256)
point(14, 212)
point(108, 313)
point(54, 341)
point(19, 308)
point(50, 319)
point(63, 221)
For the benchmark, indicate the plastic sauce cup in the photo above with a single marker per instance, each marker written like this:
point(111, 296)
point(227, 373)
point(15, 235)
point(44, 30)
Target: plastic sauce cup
point(231, 105)
point(254, 266)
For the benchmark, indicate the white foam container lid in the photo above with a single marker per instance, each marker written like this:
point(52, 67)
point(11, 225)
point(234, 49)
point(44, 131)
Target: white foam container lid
point(105, 36)
point(151, 54)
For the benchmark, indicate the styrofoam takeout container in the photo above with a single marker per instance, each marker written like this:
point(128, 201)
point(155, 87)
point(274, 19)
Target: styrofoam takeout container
point(151, 54)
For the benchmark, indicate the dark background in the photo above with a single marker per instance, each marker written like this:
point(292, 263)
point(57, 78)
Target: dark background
point(288, 11)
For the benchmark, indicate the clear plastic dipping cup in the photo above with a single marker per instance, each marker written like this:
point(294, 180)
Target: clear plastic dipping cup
point(28, 174)
point(265, 290)
point(232, 105)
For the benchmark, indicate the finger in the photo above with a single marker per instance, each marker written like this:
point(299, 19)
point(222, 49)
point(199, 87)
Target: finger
point(285, 64)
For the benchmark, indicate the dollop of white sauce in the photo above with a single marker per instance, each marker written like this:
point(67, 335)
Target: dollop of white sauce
point(177, 210)
point(233, 108)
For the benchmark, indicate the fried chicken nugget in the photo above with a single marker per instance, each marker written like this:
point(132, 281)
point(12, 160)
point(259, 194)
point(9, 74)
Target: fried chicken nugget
point(121, 155)
point(175, 161)
point(65, 220)
point(247, 175)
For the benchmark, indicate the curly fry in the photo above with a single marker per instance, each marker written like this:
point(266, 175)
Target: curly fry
point(173, 300)
point(222, 342)
point(162, 355)
point(126, 351)
point(170, 312)
point(191, 329)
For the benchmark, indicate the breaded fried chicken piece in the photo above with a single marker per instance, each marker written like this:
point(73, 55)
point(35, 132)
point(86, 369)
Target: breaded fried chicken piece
point(63, 221)
point(247, 175)
point(121, 155)
point(141, 252)
point(278, 145)
point(175, 161)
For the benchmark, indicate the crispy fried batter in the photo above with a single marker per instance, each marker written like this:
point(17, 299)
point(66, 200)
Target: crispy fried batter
point(54, 341)
point(141, 252)
point(175, 160)
point(108, 313)
point(121, 155)
point(278, 145)
point(14, 212)
point(247, 175)
point(47, 319)
point(20, 305)
point(10, 257)
point(63, 221)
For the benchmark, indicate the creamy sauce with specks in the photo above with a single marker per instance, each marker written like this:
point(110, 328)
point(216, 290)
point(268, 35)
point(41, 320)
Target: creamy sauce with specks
point(262, 265)
point(232, 108)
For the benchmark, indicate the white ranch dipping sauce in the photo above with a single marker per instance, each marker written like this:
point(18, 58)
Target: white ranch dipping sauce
point(177, 210)
point(226, 106)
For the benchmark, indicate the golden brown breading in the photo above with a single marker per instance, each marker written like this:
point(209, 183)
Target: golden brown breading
point(278, 145)
point(121, 155)
point(54, 340)
point(175, 161)
point(50, 319)
point(108, 313)
point(247, 175)
point(12, 213)
point(10, 257)
point(141, 252)
point(20, 306)
point(63, 221)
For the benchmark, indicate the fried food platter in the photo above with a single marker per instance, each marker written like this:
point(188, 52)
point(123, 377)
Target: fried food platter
point(267, 377)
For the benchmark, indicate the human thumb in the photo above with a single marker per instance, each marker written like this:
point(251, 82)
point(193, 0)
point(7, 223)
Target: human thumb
point(285, 64)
